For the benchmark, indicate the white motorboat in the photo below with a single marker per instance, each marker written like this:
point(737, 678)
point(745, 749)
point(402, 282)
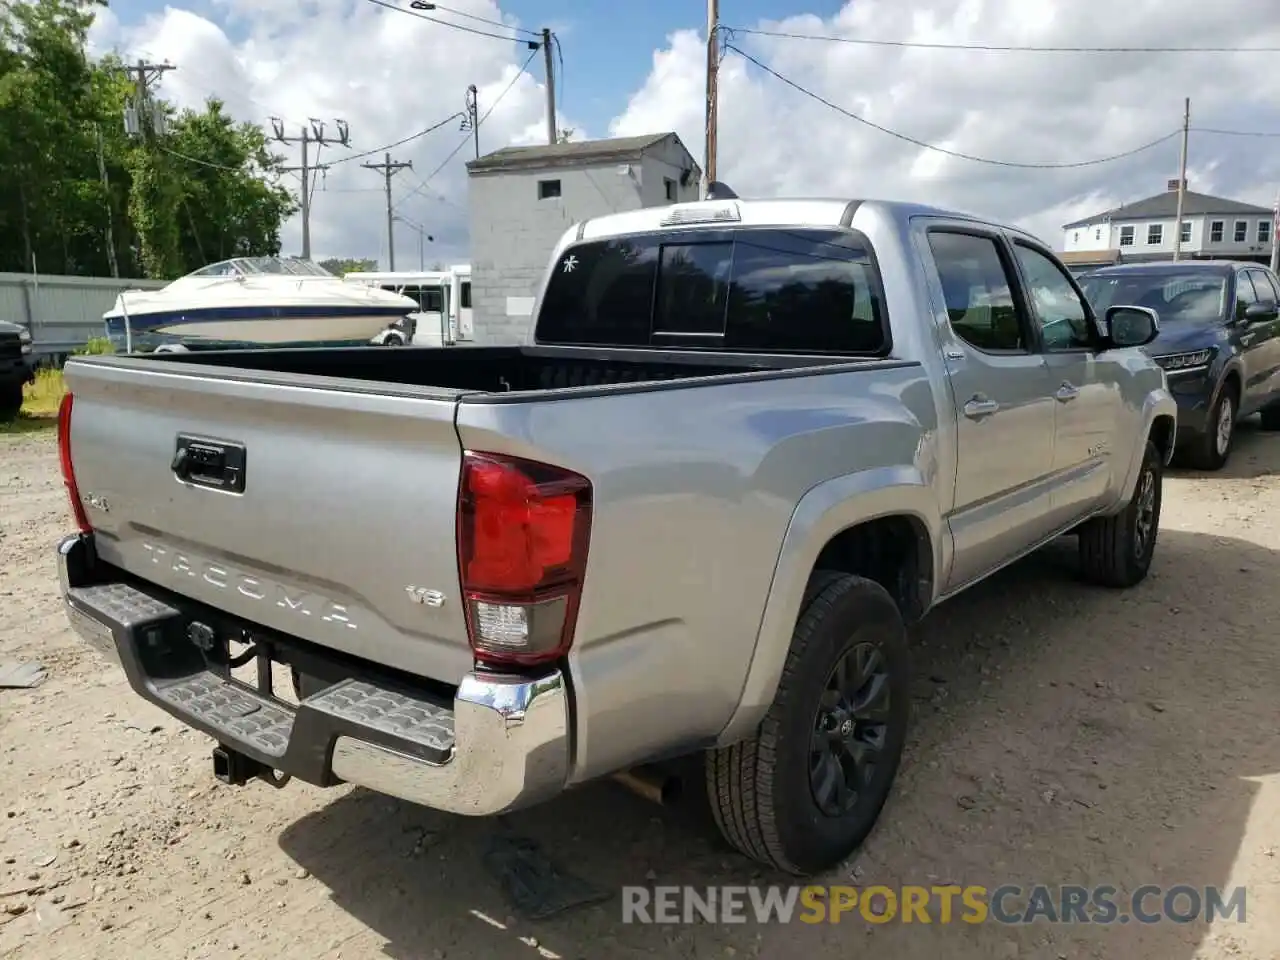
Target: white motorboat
point(253, 301)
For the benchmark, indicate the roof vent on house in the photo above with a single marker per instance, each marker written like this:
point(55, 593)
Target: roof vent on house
point(1172, 185)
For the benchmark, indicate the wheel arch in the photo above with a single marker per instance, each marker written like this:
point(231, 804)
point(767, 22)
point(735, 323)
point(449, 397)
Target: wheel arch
point(882, 524)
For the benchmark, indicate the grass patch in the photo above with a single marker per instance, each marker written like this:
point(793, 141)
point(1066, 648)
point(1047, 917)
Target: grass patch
point(40, 399)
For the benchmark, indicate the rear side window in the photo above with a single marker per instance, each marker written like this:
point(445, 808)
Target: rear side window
point(978, 290)
point(784, 291)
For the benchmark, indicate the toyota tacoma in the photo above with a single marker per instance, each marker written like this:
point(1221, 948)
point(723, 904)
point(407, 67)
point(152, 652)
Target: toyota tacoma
point(748, 444)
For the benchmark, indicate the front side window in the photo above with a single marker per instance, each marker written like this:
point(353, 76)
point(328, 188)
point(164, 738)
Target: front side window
point(1126, 236)
point(1155, 233)
point(1245, 293)
point(784, 291)
point(1058, 310)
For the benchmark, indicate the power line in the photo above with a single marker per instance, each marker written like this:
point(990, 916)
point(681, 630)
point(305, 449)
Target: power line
point(1234, 133)
point(560, 74)
point(990, 47)
point(203, 163)
point(462, 143)
point(952, 153)
point(446, 23)
point(424, 5)
point(399, 143)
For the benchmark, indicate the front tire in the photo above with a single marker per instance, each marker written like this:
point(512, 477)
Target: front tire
point(1212, 450)
point(803, 792)
point(1116, 551)
point(10, 400)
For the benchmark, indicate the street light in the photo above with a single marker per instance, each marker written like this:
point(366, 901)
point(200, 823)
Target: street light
point(423, 236)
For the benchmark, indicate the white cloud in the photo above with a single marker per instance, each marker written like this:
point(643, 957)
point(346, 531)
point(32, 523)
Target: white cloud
point(1022, 107)
point(388, 74)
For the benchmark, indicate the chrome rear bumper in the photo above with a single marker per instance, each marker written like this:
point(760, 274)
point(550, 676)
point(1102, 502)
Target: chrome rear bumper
point(500, 744)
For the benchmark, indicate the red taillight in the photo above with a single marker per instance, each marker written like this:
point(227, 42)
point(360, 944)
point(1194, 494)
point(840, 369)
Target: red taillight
point(523, 529)
point(64, 458)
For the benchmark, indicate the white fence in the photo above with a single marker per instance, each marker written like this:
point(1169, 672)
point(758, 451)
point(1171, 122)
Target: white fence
point(62, 313)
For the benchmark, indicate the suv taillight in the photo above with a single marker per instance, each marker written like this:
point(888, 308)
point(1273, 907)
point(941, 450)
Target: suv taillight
point(64, 459)
point(523, 529)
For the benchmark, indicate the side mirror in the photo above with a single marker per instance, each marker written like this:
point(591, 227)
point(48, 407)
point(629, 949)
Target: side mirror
point(1264, 310)
point(1131, 326)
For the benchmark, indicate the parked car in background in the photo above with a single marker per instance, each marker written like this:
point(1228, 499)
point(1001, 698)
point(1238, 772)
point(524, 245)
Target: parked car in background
point(1219, 343)
point(15, 367)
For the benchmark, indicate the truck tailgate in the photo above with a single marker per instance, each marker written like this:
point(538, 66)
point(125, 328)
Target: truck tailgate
point(348, 502)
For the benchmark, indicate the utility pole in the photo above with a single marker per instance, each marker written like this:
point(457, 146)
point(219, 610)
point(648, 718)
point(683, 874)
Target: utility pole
point(713, 96)
point(1182, 180)
point(106, 190)
point(313, 134)
point(389, 169)
point(472, 119)
point(551, 86)
point(140, 120)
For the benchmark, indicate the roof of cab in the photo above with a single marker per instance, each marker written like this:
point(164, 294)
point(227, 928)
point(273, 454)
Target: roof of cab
point(816, 211)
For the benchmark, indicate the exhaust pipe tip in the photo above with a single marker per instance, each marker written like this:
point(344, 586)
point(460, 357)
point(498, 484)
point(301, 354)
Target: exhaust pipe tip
point(653, 785)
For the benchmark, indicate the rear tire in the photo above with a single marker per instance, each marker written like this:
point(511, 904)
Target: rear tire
point(803, 792)
point(1116, 551)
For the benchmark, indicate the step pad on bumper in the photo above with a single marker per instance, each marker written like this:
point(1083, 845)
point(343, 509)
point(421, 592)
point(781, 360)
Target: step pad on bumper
point(423, 723)
point(239, 714)
point(148, 636)
point(123, 604)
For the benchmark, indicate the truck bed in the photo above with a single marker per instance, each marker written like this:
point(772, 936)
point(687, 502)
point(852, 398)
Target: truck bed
point(336, 471)
point(490, 369)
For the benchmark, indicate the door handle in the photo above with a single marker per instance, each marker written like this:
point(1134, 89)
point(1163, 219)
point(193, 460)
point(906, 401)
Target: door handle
point(980, 406)
point(1068, 391)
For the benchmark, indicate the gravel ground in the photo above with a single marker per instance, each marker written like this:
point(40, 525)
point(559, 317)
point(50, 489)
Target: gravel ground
point(1063, 735)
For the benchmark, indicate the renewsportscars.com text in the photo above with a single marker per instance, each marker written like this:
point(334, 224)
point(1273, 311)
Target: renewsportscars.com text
point(1007, 904)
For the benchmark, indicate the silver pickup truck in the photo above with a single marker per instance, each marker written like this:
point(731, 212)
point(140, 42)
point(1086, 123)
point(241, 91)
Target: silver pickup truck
point(749, 443)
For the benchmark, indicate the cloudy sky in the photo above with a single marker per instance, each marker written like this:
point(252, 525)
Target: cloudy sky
point(631, 68)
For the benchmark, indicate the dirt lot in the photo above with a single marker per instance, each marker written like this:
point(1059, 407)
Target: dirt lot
point(1063, 735)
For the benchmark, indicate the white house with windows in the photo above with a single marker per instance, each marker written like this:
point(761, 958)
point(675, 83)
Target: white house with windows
point(1212, 227)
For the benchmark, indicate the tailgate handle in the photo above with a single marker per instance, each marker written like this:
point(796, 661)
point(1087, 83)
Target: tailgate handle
point(215, 464)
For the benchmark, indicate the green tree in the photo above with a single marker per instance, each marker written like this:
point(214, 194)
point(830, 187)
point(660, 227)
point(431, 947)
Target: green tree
point(338, 266)
point(231, 203)
point(48, 105)
point(81, 197)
